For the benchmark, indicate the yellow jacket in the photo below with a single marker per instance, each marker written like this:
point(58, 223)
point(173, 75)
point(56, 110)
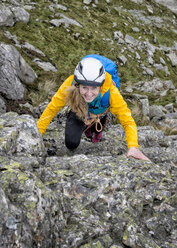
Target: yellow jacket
point(117, 106)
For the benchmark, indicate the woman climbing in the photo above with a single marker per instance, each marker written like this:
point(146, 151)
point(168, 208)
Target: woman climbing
point(90, 94)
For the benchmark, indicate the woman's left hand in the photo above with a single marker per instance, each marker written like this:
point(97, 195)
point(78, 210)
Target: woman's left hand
point(136, 153)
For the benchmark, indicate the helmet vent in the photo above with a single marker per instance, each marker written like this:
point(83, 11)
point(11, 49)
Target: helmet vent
point(80, 67)
point(101, 71)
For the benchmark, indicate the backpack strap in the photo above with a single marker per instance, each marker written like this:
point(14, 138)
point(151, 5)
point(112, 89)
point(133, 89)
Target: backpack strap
point(105, 99)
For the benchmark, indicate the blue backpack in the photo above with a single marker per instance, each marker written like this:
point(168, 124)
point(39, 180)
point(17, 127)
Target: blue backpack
point(111, 68)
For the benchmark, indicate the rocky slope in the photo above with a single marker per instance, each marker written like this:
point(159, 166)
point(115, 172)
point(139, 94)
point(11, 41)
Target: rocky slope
point(94, 196)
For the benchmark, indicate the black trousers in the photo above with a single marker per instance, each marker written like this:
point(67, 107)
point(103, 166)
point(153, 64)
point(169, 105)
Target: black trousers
point(74, 129)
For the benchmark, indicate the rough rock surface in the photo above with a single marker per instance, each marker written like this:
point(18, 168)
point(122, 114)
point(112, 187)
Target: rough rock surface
point(171, 4)
point(10, 15)
point(64, 19)
point(92, 197)
point(14, 72)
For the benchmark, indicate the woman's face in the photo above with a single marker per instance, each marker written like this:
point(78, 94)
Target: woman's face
point(89, 93)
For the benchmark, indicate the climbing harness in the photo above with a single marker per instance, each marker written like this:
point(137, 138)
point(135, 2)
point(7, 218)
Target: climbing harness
point(95, 119)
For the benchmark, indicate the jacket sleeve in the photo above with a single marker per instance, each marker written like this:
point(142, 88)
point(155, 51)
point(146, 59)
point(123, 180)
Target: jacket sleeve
point(58, 101)
point(119, 107)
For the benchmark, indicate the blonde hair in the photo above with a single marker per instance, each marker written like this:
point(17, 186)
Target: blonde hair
point(76, 102)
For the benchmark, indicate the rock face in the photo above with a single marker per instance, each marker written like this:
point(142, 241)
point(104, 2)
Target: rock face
point(51, 197)
point(171, 4)
point(10, 15)
point(67, 21)
point(14, 72)
point(14, 132)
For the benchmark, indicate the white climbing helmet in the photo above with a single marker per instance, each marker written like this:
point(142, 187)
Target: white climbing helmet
point(89, 71)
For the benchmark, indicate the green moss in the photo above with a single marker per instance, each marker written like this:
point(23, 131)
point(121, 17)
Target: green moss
point(29, 215)
point(1, 126)
point(174, 217)
point(99, 165)
point(31, 205)
point(64, 172)
point(143, 240)
point(97, 245)
point(7, 177)
point(125, 237)
point(107, 240)
point(86, 212)
point(13, 165)
point(171, 246)
point(40, 185)
point(2, 139)
point(22, 177)
point(51, 182)
point(86, 246)
point(127, 211)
